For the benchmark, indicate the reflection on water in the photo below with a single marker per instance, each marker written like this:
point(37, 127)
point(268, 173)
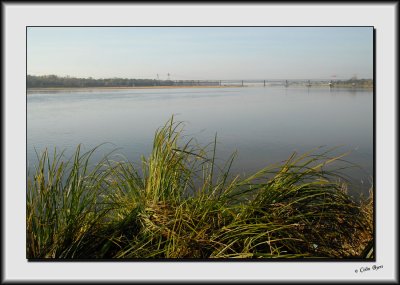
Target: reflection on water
point(265, 125)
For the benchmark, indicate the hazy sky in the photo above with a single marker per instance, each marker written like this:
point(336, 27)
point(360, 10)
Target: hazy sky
point(202, 53)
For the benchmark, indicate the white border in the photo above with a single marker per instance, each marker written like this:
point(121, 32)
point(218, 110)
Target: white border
point(17, 17)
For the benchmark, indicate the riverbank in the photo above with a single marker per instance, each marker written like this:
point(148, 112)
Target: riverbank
point(89, 89)
point(181, 205)
point(127, 88)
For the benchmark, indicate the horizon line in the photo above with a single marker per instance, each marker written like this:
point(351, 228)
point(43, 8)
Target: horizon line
point(225, 79)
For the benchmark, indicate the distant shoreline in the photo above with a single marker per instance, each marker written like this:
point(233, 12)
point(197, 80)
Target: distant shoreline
point(37, 89)
point(127, 87)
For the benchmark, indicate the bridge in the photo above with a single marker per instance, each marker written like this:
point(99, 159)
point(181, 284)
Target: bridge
point(249, 83)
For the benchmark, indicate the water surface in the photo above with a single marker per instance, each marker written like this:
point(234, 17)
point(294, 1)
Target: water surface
point(264, 124)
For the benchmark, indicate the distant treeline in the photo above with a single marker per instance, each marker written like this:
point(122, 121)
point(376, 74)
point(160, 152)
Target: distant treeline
point(366, 83)
point(47, 81)
point(57, 81)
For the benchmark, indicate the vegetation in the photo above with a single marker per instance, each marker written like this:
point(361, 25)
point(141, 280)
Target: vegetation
point(56, 81)
point(180, 204)
point(53, 81)
point(354, 82)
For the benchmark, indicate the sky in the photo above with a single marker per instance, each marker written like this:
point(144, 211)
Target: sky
point(215, 53)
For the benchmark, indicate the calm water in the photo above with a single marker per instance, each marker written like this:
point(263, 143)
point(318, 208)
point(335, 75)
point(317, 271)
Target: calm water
point(265, 125)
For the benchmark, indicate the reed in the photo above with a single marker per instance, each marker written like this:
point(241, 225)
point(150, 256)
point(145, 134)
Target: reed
point(180, 204)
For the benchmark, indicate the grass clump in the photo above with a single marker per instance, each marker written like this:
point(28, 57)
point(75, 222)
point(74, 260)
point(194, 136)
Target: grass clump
point(180, 204)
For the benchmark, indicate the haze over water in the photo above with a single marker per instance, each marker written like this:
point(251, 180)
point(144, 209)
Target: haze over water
point(196, 53)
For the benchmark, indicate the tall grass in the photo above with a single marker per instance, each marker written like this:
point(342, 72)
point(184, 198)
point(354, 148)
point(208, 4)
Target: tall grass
point(180, 204)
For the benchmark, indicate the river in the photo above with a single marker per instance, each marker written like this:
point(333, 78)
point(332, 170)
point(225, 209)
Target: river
point(264, 124)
